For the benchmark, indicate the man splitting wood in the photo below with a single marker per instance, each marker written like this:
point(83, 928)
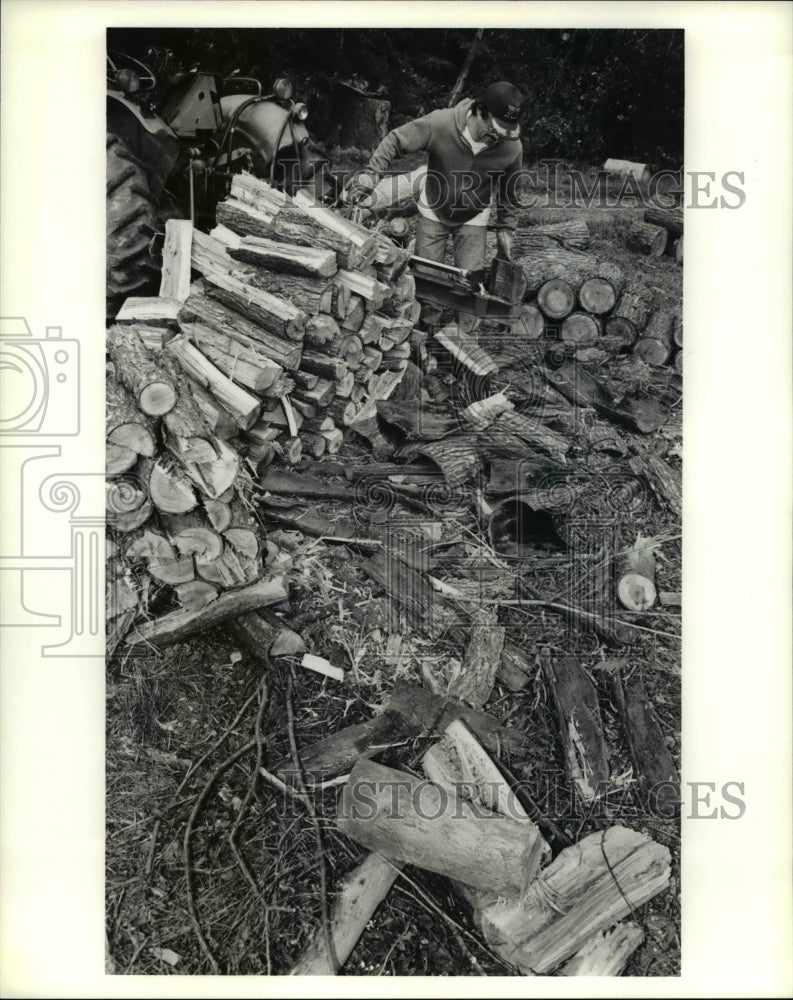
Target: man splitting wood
point(474, 152)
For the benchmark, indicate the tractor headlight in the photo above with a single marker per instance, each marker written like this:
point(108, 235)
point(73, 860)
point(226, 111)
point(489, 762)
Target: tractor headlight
point(128, 81)
point(300, 111)
point(283, 89)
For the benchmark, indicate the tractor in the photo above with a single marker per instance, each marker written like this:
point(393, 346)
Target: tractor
point(174, 140)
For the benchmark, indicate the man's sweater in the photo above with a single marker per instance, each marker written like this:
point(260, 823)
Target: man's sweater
point(459, 183)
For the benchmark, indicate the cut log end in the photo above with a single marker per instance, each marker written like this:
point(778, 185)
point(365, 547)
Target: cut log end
point(636, 592)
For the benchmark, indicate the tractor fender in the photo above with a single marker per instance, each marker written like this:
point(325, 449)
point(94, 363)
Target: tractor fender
point(259, 127)
point(147, 137)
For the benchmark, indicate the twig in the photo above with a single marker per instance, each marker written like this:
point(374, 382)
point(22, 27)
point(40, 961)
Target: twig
point(186, 845)
point(242, 864)
point(306, 798)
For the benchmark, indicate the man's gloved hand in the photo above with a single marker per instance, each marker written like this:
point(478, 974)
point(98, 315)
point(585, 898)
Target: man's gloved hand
point(504, 239)
point(360, 188)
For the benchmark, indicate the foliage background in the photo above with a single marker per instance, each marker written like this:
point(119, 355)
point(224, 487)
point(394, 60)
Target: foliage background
point(595, 93)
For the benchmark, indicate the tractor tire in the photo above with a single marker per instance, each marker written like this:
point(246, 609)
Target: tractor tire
point(130, 225)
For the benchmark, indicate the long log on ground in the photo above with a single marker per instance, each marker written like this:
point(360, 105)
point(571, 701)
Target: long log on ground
point(586, 889)
point(643, 413)
point(138, 371)
point(655, 343)
point(543, 265)
point(179, 625)
point(471, 845)
point(204, 307)
point(305, 485)
point(647, 239)
point(670, 218)
point(571, 235)
point(456, 457)
point(274, 313)
point(360, 894)
point(286, 258)
point(580, 727)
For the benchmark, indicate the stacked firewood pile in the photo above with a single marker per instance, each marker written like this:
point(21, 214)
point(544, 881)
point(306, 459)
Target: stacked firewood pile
point(298, 322)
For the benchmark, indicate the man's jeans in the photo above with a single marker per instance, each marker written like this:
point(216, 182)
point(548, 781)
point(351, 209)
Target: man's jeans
point(469, 253)
point(469, 243)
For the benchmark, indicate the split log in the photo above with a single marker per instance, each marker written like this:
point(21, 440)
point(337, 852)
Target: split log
point(373, 292)
point(466, 350)
point(606, 953)
point(354, 315)
point(310, 295)
point(118, 459)
point(580, 727)
point(580, 329)
point(179, 625)
point(533, 432)
point(655, 344)
point(139, 373)
point(321, 394)
point(196, 595)
point(204, 307)
point(647, 239)
point(585, 890)
point(169, 487)
point(242, 405)
point(191, 535)
point(218, 513)
point(432, 714)
point(530, 324)
point(333, 369)
point(209, 253)
point(217, 417)
point(125, 425)
point(149, 311)
point(320, 330)
point(244, 219)
point(285, 258)
point(417, 423)
point(313, 444)
point(597, 296)
point(355, 904)
point(275, 314)
point(175, 280)
point(630, 314)
point(670, 218)
point(310, 224)
point(641, 413)
point(338, 753)
point(556, 298)
point(571, 235)
point(627, 168)
point(652, 761)
point(239, 362)
point(474, 846)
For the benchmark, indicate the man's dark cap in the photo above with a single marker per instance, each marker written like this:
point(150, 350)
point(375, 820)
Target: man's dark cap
point(505, 103)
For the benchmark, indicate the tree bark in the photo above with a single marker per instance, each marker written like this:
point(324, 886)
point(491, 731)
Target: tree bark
point(570, 235)
point(574, 267)
point(630, 314)
point(179, 625)
point(670, 218)
point(286, 258)
point(647, 239)
point(125, 425)
point(139, 373)
point(655, 344)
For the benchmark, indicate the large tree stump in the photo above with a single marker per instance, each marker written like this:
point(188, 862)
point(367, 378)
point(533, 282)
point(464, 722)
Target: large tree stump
point(363, 119)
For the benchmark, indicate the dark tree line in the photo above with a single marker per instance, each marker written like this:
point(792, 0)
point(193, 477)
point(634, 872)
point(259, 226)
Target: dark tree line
point(595, 93)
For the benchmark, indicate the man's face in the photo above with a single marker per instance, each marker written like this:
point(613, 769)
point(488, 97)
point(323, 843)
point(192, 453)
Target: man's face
point(485, 130)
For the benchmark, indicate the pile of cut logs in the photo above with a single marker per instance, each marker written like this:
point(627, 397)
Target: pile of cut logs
point(270, 337)
point(586, 302)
